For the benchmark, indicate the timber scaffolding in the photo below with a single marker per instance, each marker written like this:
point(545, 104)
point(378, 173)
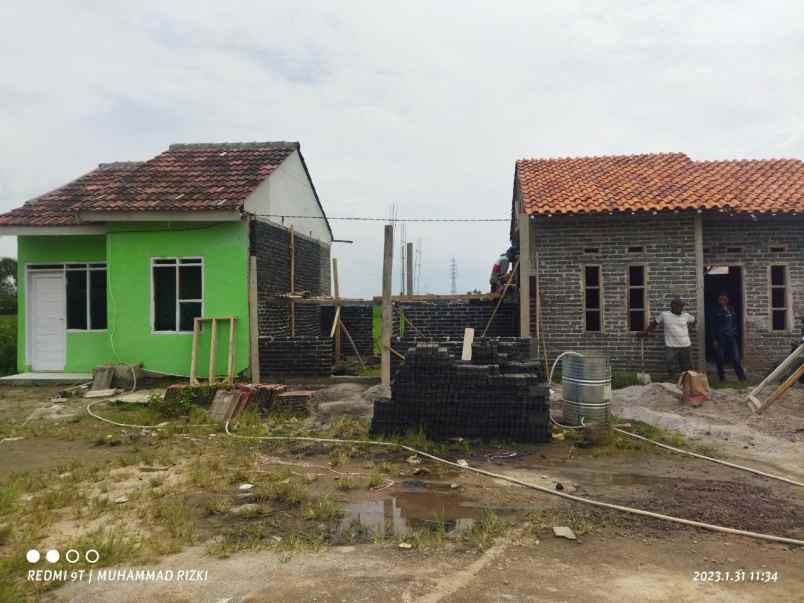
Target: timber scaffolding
point(296, 297)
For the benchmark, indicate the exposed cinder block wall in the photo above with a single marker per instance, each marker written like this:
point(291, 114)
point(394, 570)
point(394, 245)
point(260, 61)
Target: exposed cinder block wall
point(270, 243)
point(358, 319)
point(669, 256)
point(763, 348)
point(296, 356)
point(449, 318)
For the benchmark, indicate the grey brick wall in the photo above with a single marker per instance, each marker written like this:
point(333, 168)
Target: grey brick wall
point(449, 318)
point(763, 348)
point(359, 320)
point(296, 356)
point(669, 258)
point(271, 245)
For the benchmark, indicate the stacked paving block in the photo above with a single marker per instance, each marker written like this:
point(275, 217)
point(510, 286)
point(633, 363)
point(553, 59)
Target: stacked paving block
point(498, 395)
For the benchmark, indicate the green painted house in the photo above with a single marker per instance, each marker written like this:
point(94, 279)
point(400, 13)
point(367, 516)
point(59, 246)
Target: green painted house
point(115, 265)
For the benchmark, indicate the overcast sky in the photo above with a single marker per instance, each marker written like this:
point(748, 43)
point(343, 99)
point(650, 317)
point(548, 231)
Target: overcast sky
point(424, 104)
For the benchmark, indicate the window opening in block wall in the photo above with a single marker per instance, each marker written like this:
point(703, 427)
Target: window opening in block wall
point(177, 285)
point(778, 286)
point(593, 319)
point(637, 298)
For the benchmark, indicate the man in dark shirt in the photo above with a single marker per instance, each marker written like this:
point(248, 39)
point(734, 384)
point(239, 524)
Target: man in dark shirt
point(725, 331)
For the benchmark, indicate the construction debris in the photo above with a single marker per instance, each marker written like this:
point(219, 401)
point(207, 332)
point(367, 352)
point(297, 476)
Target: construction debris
point(564, 532)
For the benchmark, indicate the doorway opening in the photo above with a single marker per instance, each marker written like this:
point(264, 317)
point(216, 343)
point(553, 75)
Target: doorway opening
point(717, 280)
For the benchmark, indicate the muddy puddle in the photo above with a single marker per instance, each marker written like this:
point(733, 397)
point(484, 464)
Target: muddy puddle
point(414, 505)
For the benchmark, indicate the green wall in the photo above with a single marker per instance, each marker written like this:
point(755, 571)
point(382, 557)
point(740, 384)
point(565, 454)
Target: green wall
point(127, 250)
point(84, 350)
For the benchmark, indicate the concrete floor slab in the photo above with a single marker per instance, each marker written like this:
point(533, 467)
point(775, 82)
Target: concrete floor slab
point(35, 378)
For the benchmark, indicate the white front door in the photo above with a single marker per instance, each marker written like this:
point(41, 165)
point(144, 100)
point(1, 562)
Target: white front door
point(47, 321)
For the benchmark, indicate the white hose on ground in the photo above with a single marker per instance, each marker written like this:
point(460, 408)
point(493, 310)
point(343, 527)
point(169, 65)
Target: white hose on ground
point(588, 501)
point(94, 415)
point(550, 385)
point(709, 458)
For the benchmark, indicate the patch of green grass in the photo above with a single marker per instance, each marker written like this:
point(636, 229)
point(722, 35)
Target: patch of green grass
point(8, 498)
point(486, 530)
point(376, 328)
point(325, 508)
point(8, 344)
point(288, 491)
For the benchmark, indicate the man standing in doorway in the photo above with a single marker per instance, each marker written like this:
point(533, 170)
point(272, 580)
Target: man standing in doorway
point(676, 337)
point(725, 330)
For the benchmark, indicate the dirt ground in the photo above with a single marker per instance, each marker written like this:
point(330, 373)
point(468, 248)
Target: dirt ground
point(348, 524)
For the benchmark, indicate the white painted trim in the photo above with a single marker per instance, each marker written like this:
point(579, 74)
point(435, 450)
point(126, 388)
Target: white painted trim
point(195, 215)
point(78, 229)
point(178, 302)
point(28, 313)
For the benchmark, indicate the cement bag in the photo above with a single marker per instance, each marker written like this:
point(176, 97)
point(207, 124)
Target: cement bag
point(694, 387)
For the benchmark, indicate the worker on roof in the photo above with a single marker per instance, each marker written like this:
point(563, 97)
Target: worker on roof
point(726, 344)
point(676, 337)
point(499, 271)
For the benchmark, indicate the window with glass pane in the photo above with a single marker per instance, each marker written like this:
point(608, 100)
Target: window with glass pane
point(637, 298)
point(778, 286)
point(86, 296)
point(592, 299)
point(178, 292)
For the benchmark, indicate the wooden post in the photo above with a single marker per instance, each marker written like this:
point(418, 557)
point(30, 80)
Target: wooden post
point(409, 269)
point(292, 280)
point(524, 274)
point(700, 301)
point(253, 322)
point(789, 382)
point(230, 368)
point(387, 309)
point(213, 343)
point(194, 357)
point(468, 338)
point(337, 322)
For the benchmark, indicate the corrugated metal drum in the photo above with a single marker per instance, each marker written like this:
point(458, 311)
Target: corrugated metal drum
point(586, 387)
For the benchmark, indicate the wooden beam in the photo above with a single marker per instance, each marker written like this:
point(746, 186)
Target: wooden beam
point(292, 280)
point(788, 383)
point(700, 300)
point(354, 346)
point(783, 366)
point(387, 307)
point(468, 338)
point(336, 325)
point(409, 269)
point(433, 297)
point(230, 368)
point(213, 343)
point(253, 322)
point(194, 357)
point(524, 274)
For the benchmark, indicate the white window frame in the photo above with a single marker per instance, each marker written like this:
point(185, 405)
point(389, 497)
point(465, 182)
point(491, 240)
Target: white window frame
point(189, 261)
point(86, 267)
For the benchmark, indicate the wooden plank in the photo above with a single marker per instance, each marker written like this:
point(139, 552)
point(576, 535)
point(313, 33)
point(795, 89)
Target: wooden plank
point(468, 338)
point(387, 308)
point(253, 322)
point(354, 346)
point(524, 274)
point(434, 297)
point(700, 301)
point(194, 357)
point(213, 343)
point(230, 369)
point(336, 324)
point(785, 364)
point(395, 353)
point(788, 383)
point(409, 269)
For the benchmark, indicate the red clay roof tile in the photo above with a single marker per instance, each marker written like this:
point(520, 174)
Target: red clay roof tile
point(186, 177)
point(659, 182)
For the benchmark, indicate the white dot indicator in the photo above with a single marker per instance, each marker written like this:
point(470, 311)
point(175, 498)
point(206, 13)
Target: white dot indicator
point(32, 556)
point(72, 556)
point(52, 556)
point(92, 553)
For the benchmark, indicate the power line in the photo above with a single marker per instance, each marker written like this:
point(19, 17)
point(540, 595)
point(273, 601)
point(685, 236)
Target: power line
point(387, 219)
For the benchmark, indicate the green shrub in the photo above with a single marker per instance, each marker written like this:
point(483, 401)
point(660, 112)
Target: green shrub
point(8, 344)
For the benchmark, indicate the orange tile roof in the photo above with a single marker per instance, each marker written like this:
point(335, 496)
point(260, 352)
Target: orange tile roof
point(659, 182)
